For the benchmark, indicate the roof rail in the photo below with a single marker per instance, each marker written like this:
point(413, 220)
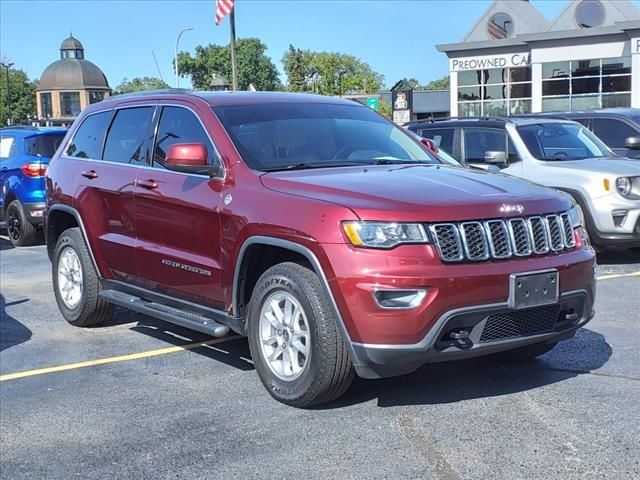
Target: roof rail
point(163, 91)
point(20, 127)
point(444, 119)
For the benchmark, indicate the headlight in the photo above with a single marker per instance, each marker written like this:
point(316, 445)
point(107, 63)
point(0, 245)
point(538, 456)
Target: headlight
point(576, 216)
point(384, 234)
point(623, 185)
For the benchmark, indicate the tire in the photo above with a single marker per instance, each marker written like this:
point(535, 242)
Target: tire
point(20, 231)
point(85, 309)
point(528, 352)
point(326, 370)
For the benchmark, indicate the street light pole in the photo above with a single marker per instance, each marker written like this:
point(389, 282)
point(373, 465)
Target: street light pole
point(175, 57)
point(7, 66)
point(340, 74)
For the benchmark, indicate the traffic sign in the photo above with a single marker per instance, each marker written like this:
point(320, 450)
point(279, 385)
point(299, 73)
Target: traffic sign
point(372, 102)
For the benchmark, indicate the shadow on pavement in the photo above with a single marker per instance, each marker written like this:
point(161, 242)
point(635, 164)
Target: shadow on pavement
point(618, 257)
point(5, 244)
point(483, 377)
point(12, 332)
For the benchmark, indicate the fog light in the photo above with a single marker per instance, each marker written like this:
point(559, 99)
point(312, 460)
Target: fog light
point(399, 298)
point(619, 216)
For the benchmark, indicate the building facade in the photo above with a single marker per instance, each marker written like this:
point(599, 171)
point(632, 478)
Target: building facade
point(513, 60)
point(68, 85)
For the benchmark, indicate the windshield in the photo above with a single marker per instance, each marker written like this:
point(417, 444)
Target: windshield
point(43, 145)
point(562, 141)
point(311, 135)
point(447, 157)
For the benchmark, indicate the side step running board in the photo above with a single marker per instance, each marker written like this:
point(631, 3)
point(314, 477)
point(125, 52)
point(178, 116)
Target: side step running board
point(180, 317)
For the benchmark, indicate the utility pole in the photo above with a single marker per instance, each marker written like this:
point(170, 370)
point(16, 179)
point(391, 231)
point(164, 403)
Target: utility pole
point(340, 74)
point(234, 64)
point(7, 66)
point(175, 57)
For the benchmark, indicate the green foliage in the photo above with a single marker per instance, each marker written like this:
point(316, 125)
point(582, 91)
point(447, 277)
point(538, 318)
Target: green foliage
point(320, 71)
point(254, 66)
point(407, 84)
point(22, 97)
point(440, 84)
point(384, 108)
point(140, 84)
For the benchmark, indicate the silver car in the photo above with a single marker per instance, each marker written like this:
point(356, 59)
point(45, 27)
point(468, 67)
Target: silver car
point(557, 153)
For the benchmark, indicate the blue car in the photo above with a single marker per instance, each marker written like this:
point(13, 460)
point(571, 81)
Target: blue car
point(24, 156)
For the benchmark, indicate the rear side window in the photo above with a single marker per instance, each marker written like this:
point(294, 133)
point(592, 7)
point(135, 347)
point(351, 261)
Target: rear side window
point(87, 141)
point(7, 147)
point(442, 137)
point(481, 140)
point(125, 140)
point(43, 145)
point(613, 132)
point(179, 125)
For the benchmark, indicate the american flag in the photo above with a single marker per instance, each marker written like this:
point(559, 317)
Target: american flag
point(223, 8)
point(496, 31)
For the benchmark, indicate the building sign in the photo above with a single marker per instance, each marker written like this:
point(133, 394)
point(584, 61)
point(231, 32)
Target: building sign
point(489, 61)
point(402, 104)
point(635, 46)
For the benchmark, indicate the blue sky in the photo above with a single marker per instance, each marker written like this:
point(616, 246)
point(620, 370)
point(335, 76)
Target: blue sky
point(397, 38)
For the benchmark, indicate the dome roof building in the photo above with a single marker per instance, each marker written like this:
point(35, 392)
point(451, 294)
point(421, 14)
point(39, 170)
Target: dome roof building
point(70, 84)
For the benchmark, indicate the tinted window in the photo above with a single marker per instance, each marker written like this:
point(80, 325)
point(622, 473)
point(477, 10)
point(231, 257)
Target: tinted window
point(613, 132)
point(481, 140)
point(87, 141)
point(43, 145)
point(125, 139)
point(442, 137)
point(307, 135)
point(179, 125)
point(7, 147)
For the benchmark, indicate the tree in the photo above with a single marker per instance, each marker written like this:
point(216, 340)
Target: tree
point(440, 84)
point(140, 84)
point(254, 66)
point(407, 84)
point(22, 97)
point(384, 108)
point(321, 70)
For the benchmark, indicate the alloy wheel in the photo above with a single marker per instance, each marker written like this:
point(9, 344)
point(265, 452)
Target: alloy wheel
point(69, 277)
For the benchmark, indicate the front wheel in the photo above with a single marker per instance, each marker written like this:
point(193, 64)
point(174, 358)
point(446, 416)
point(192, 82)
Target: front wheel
point(295, 342)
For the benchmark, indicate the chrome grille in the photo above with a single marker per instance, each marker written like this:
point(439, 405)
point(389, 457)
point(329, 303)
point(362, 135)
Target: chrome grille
point(501, 239)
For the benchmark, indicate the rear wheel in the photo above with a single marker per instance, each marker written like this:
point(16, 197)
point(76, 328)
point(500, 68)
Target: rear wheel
point(75, 282)
point(21, 232)
point(295, 343)
point(528, 352)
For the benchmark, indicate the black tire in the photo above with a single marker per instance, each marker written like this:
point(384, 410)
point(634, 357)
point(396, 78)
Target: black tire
point(91, 310)
point(21, 232)
point(329, 371)
point(528, 352)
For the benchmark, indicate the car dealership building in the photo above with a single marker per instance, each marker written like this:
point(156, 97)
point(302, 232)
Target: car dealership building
point(513, 60)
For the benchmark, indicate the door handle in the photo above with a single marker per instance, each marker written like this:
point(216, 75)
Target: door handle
point(148, 184)
point(91, 174)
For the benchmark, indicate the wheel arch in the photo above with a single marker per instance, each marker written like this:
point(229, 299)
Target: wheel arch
point(59, 219)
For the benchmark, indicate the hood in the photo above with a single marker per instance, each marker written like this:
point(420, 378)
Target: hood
point(424, 193)
point(619, 166)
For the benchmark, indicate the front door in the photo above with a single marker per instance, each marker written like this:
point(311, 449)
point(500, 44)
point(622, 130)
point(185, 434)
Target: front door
point(177, 217)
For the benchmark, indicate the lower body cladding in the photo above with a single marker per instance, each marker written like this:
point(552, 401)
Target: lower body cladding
point(34, 212)
point(475, 331)
point(454, 311)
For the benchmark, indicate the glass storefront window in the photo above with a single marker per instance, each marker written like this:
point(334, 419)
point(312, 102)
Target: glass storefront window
point(519, 106)
point(45, 105)
point(469, 93)
point(520, 90)
point(470, 109)
point(555, 70)
point(555, 87)
point(495, 75)
point(470, 77)
point(617, 100)
point(558, 104)
point(522, 74)
point(588, 102)
point(585, 68)
point(95, 97)
point(616, 84)
point(585, 85)
point(495, 109)
point(495, 92)
point(69, 104)
point(616, 66)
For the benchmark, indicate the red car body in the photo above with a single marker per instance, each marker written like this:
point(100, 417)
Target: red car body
point(159, 238)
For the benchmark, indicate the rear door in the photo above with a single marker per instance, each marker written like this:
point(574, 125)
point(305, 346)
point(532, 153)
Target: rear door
point(104, 155)
point(8, 149)
point(177, 215)
point(614, 133)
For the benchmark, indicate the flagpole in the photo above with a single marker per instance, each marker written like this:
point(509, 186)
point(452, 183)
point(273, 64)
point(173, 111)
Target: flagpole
point(234, 67)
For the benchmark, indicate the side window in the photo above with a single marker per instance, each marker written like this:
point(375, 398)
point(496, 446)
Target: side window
point(125, 140)
point(179, 125)
point(512, 153)
point(442, 137)
point(7, 147)
point(612, 132)
point(477, 141)
point(87, 141)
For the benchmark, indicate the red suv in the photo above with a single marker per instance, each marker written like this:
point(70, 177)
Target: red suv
point(331, 238)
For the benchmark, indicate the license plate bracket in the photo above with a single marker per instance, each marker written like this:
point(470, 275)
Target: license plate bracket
point(533, 289)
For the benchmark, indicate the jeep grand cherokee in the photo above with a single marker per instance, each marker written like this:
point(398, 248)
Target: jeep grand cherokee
point(331, 238)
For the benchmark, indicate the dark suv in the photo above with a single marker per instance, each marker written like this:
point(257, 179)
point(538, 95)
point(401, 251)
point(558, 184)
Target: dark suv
point(330, 237)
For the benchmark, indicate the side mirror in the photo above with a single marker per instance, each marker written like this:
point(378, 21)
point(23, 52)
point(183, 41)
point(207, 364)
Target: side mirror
point(495, 157)
point(429, 144)
point(189, 158)
point(632, 143)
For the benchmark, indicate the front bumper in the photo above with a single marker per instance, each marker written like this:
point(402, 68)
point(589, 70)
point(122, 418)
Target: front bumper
point(379, 361)
point(615, 221)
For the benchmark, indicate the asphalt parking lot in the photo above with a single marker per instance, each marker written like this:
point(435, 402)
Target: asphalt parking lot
point(143, 399)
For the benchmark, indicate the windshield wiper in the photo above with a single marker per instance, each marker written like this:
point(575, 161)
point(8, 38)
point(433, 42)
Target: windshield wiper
point(389, 161)
point(307, 165)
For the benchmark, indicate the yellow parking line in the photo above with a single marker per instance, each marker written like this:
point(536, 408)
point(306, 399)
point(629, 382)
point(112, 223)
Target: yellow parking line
point(120, 358)
point(618, 275)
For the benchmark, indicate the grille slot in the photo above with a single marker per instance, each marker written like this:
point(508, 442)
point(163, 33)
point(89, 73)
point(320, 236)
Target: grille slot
point(521, 323)
point(555, 233)
point(500, 239)
point(447, 241)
